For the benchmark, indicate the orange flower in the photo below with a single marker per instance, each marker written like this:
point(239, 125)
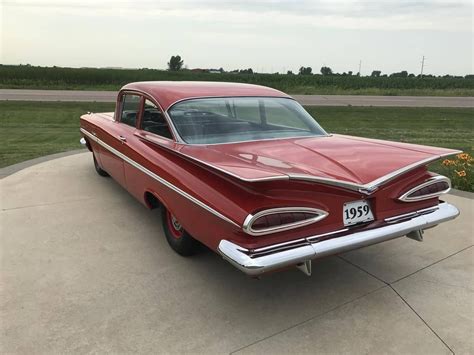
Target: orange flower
point(461, 173)
point(463, 156)
point(448, 162)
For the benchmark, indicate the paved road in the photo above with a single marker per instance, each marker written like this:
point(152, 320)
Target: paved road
point(309, 100)
point(86, 268)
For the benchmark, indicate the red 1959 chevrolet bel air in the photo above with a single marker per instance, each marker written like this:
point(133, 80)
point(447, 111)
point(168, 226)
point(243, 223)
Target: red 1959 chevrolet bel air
point(245, 170)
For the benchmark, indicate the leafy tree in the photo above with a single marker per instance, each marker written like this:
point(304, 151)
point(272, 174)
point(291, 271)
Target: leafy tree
point(326, 71)
point(306, 71)
point(289, 72)
point(376, 73)
point(402, 74)
point(349, 73)
point(175, 63)
point(246, 71)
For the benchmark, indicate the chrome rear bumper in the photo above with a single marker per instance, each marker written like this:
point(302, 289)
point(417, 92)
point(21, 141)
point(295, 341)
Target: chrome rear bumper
point(258, 261)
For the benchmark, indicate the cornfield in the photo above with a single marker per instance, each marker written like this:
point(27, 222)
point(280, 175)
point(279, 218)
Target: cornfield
point(26, 76)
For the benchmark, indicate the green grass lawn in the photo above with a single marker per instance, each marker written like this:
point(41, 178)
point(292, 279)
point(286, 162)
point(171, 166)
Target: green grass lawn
point(32, 129)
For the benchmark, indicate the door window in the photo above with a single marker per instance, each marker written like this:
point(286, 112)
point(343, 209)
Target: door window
point(154, 121)
point(130, 109)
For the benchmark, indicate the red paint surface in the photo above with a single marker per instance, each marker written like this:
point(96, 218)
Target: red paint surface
point(349, 159)
point(345, 158)
point(168, 92)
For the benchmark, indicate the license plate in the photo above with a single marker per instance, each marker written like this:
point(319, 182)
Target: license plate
point(357, 212)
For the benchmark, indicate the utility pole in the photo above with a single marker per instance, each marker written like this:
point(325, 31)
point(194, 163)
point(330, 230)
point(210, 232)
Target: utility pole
point(422, 66)
point(360, 65)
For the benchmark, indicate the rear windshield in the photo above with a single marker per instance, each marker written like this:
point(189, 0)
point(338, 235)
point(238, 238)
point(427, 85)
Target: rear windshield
point(237, 119)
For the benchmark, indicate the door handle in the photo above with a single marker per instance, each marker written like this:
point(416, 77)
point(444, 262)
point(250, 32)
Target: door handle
point(122, 139)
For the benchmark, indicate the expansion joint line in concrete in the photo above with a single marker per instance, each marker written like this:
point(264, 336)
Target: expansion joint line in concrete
point(308, 319)
point(390, 284)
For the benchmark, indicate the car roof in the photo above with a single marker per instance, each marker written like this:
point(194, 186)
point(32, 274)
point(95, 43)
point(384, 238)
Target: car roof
point(166, 93)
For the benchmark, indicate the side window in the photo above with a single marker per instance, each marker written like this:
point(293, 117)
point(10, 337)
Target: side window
point(130, 108)
point(154, 121)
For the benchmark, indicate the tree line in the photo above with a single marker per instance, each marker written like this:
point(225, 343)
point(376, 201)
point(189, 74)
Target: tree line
point(176, 63)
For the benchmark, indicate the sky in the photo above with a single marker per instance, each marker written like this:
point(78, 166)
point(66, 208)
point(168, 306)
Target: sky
point(266, 35)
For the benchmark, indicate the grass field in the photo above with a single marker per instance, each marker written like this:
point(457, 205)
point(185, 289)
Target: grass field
point(33, 129)
point(29, 77)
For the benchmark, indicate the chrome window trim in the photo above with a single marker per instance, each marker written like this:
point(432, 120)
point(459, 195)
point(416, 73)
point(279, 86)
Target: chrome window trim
point(140, 129)
point(146, 95)
point(250, 219)
point(159, 178)
point(170, 106)
point(433, 180)
point(259, 140)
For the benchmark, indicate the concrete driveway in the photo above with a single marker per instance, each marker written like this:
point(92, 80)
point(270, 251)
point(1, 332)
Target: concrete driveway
point(85, 268)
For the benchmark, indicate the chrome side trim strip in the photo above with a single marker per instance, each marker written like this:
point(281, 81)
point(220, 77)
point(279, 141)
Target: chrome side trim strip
point(159, 179)
point(251, 264)
point(308, 240)
point(248, 222)
point(315, 238)
point(373, 185)
point(406, 216)
point(327, 181)
point(433, 180)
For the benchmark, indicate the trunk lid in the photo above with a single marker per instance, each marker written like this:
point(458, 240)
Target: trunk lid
point(344, 158)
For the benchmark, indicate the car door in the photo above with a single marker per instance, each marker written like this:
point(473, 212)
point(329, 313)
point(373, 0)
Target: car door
point(152, 126)
point(119, 131)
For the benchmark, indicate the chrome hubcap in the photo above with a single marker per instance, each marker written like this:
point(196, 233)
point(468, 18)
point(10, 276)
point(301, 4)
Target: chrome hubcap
point(176, 224)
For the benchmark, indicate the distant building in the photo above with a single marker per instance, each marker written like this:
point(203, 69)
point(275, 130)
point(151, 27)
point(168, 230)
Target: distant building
point(212, 71)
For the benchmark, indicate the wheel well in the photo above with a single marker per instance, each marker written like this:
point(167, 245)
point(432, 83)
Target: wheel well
point(151, 200)
point(88, 144)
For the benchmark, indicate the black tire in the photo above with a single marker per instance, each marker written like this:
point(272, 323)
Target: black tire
point(178, 239)
point(98, 168)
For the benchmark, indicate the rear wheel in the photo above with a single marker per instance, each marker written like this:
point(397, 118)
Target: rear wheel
point(178, 239)
point(99, 170)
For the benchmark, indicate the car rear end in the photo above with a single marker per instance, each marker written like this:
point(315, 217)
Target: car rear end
point(304, 220)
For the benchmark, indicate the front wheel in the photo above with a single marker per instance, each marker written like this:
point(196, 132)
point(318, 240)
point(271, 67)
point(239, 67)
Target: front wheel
point(98, 169)
point(178, 239)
